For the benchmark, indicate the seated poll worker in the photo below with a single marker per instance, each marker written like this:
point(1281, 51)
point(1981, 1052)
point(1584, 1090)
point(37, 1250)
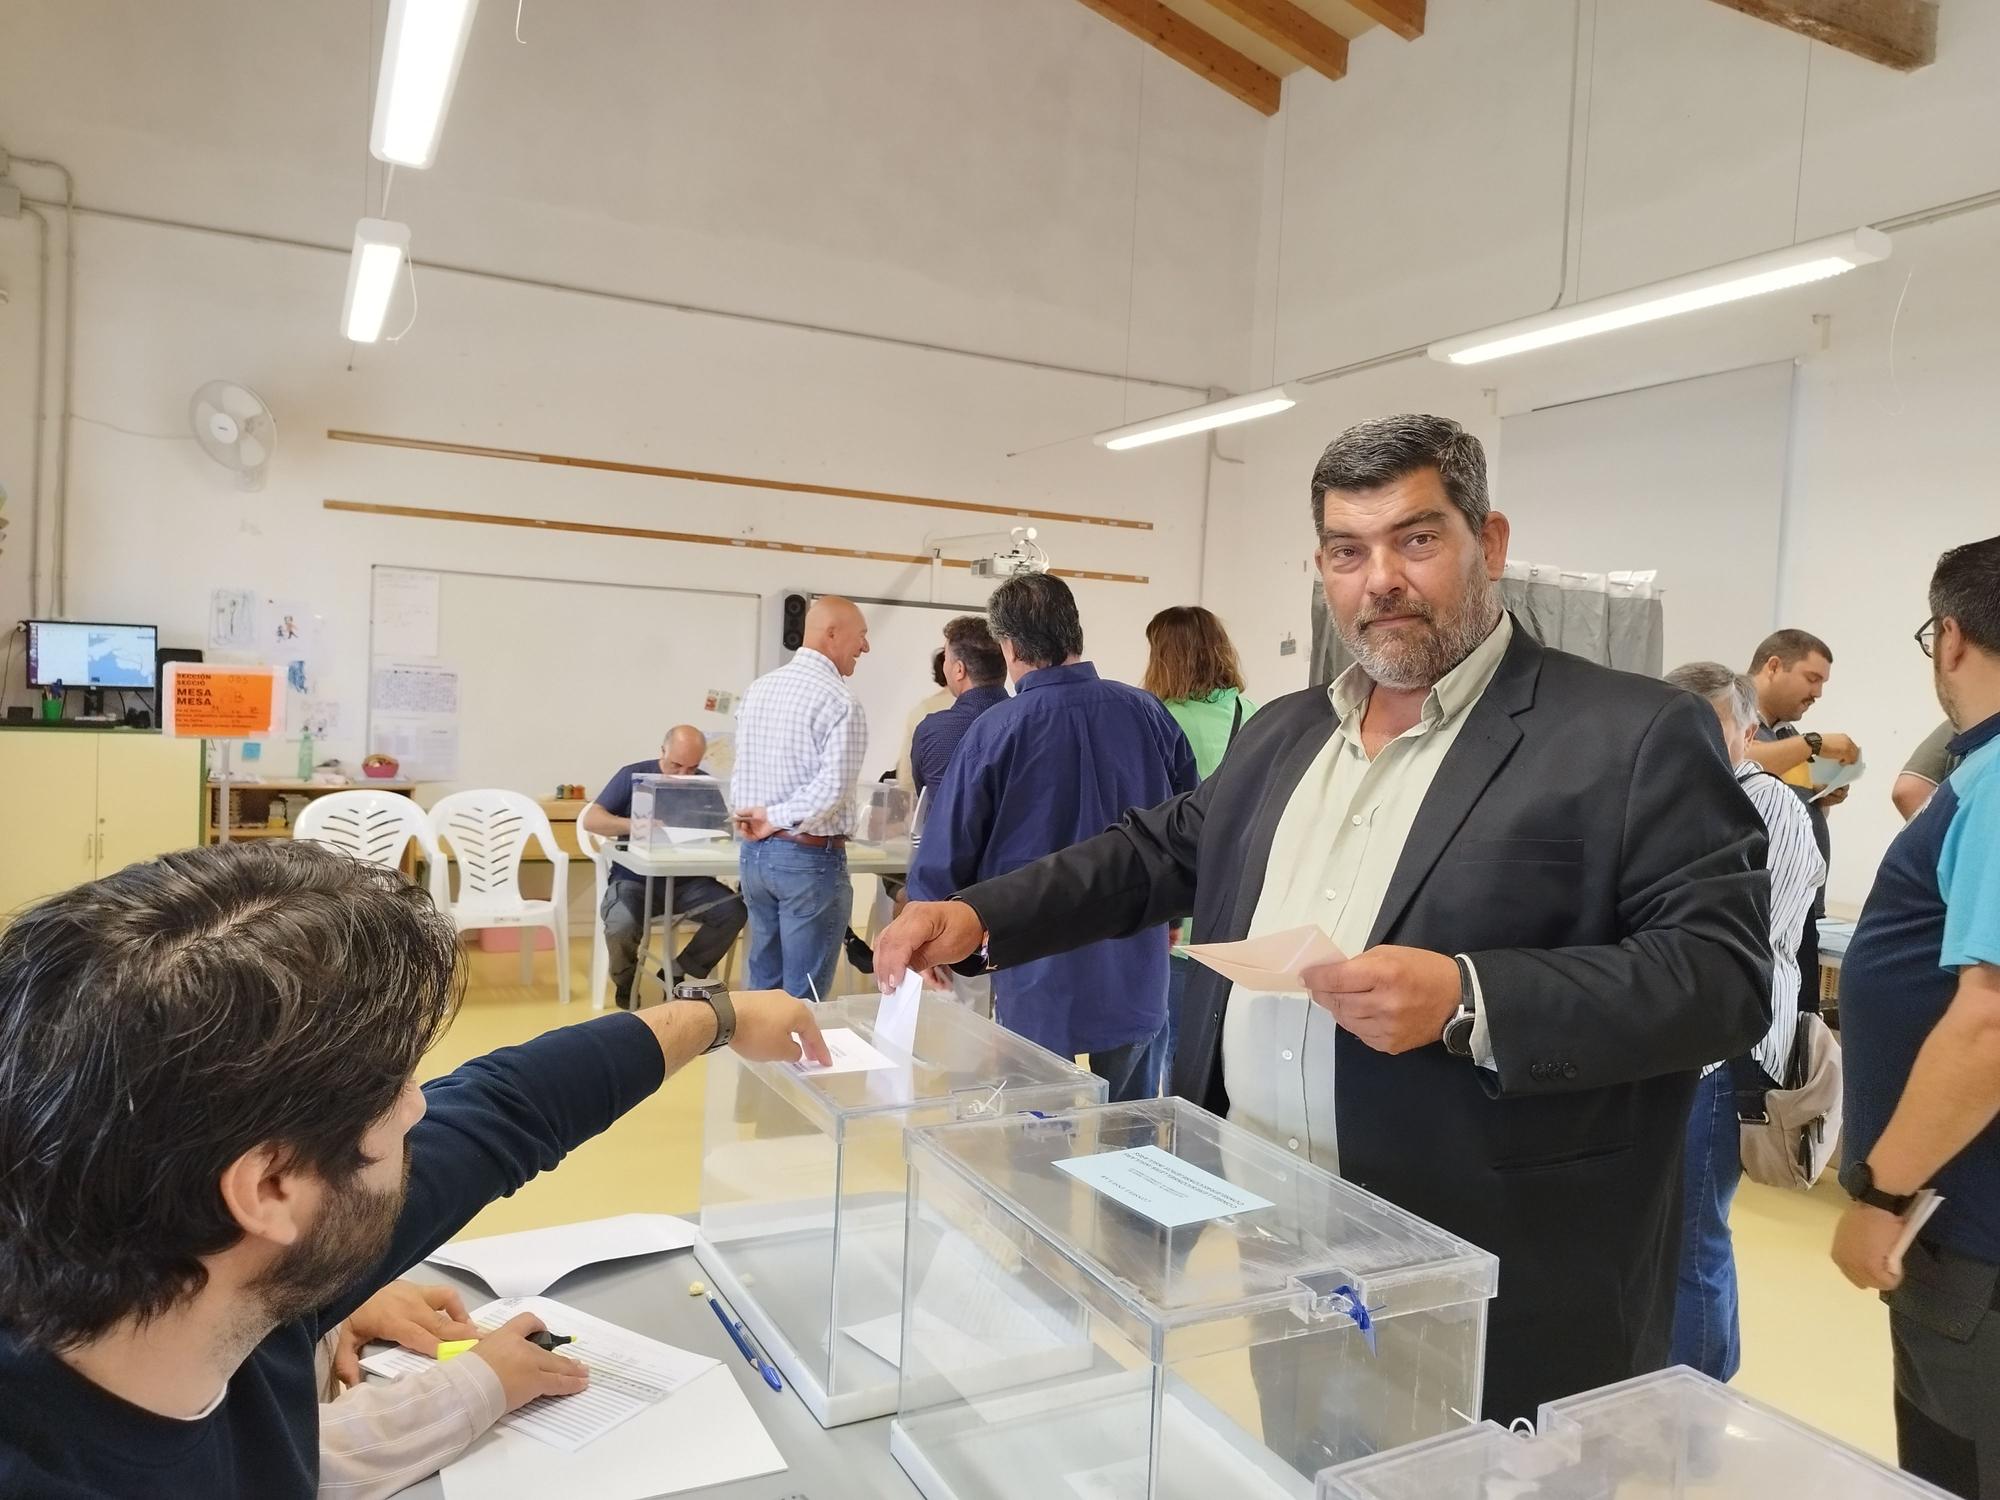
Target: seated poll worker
point(1551, 888)
point(716, 910)
point(216, 1150)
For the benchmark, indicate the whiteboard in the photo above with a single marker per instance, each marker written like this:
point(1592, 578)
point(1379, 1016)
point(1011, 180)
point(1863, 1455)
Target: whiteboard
point(566, 680)
point(895, 675)
point(1688, 478)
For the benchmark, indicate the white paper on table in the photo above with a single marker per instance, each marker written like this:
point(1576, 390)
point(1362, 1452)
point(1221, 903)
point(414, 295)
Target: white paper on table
point(707, 1433)
point(530, 1261)
point(896, 1019)
point(852, 1053)
point(628, 1373)
point(695, 835)
point(983, 1318)
point(1270, 964)
point(1161, 1186)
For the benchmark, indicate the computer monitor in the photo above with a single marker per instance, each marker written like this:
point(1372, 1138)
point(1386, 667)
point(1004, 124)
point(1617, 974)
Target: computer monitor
point(80, 653)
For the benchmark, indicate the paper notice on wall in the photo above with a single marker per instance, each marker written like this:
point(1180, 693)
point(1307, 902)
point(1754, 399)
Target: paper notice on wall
point(232, 620)
point(426, 748)
point(413, 687)
point(404, 615)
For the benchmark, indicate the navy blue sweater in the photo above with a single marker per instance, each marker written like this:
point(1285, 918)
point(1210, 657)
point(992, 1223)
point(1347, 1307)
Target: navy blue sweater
point(489, 1127)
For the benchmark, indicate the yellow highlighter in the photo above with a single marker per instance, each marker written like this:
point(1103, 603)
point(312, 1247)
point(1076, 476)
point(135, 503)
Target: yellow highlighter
point(452, 1348)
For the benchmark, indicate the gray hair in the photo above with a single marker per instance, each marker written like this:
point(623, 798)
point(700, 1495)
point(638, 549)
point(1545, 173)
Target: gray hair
point(1722, 687)
point(1371, 454)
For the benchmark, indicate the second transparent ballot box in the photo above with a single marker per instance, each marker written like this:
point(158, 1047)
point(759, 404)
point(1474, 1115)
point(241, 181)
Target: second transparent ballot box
point(670, 812)
point(882, 812)
point(1145, 1302)
point(1672, 1435)
point(803, 1176)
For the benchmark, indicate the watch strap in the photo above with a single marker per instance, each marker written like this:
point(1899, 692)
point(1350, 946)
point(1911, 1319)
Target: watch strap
point(725, 1018)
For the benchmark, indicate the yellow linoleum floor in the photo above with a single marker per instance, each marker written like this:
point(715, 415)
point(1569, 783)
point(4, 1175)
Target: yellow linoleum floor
point(1812, 1345)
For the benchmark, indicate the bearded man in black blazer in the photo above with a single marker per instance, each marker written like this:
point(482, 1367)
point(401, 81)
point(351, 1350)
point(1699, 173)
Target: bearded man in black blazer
point(1553, 889)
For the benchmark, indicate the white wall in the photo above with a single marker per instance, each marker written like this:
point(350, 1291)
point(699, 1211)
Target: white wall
point(1422, 196)
point(945, 172)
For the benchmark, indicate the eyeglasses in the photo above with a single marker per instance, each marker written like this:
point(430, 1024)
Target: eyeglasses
point(1926, 636)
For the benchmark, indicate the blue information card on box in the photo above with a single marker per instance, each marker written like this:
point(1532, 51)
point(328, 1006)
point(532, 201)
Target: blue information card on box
point(1161, 1186)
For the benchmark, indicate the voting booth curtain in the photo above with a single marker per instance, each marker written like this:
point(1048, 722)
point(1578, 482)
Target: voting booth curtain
point(1614, 619)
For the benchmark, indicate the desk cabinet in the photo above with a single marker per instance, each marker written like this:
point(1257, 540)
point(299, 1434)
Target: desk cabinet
point(79, 803)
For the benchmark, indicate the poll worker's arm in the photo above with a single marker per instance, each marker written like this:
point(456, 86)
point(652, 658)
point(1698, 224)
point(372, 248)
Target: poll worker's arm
point(843, 746)
point(493, 1124)
point(606, 825)
point(1689, 983)
point(1953, 1091)
point(1928, 765)
point(1137, 875)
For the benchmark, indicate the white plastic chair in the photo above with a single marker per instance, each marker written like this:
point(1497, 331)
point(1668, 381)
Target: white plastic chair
point(376, 827)
point(488, 832)
point(597, 851)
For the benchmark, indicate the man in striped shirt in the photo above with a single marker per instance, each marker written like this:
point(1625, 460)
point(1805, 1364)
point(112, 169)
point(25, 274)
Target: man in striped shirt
point(1707, 1335)
point(800, 738)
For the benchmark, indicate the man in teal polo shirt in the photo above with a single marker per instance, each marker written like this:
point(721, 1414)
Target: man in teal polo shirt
point(1920, 1026)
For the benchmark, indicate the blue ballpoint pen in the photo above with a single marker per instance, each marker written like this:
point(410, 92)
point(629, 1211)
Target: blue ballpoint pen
point(737, 1337)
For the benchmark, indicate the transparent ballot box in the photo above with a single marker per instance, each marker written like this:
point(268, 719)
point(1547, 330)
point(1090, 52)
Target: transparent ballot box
point(1145, 1302)
point(882, 812)
point(802, 1182)
point(1664, 1436)
point(671, 811)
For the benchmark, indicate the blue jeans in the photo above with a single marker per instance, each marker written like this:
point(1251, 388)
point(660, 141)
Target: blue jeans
point(1707, 1335)
point(799, 900)
point(1133, 1070)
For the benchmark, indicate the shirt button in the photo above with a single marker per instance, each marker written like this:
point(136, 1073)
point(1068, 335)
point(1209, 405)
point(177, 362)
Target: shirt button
point(1332, 895)
point(1286, 1054)
point(1359, 820)
point(1293, 1143)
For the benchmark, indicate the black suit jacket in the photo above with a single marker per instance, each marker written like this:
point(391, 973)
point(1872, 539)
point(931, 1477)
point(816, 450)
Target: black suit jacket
point(1586, 843)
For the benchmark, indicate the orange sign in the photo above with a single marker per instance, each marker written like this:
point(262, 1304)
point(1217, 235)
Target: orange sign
point(220, 702)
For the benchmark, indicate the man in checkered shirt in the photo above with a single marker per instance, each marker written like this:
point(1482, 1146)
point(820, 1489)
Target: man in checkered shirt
point(800, 738)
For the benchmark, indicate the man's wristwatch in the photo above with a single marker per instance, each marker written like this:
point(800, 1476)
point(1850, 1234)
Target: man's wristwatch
point(1812, 739)
point(1457, 1037)
point(714, 994)
point(1858, 1178)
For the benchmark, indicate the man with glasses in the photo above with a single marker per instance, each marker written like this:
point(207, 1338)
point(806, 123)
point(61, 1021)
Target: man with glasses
point(1920, 1019)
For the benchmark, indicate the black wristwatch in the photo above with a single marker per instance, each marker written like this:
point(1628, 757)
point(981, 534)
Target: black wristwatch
point(1858, 1178)
point(1457, 1037)
point(715, 994)
point(1812, 739)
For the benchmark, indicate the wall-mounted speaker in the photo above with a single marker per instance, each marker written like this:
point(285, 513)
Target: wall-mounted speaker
point(795, 621)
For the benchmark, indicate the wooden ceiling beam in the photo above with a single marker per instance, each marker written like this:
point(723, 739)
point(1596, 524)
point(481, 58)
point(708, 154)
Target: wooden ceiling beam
point(1900, 34)
point(1297, 32)
point(1191, 47)
point(1404, 17)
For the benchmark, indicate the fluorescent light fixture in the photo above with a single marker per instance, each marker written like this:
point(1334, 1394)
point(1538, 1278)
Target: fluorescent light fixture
point(380, 246)
point(421, 52)
point(1198, 419)
point(1815, 260)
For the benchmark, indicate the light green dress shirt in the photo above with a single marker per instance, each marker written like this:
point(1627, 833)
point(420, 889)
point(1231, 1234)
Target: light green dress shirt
point(1334, 852)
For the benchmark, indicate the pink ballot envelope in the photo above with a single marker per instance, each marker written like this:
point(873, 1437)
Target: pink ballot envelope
point(1270, 964)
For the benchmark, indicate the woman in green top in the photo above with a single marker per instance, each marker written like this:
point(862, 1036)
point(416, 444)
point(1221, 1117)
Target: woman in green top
point(1195, 672)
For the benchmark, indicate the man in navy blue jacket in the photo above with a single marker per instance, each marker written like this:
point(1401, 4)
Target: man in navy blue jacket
point(212, 1150)
point(1063, 760)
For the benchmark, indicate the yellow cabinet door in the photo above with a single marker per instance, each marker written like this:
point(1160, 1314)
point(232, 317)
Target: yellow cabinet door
point(48, 813)
point(148, 798)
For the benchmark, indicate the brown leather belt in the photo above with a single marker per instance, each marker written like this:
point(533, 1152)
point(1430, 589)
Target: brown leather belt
point(813, 840)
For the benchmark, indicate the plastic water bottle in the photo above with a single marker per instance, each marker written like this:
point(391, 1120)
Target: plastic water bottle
point(306, 756)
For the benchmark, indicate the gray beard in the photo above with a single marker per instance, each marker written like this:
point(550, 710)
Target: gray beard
point(1425, 656)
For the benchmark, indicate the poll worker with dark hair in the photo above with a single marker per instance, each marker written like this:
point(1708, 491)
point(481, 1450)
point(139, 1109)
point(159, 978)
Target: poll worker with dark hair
point(213, 1149)
point(1064, 759)
point(1920, 1032)
point(1551, 888)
